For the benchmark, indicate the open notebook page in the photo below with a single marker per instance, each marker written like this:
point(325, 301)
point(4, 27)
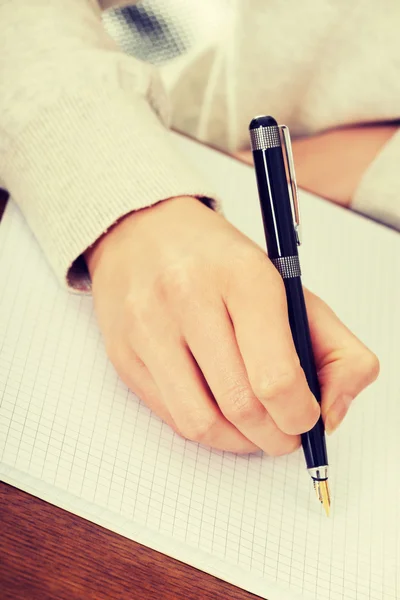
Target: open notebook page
point(72, 434)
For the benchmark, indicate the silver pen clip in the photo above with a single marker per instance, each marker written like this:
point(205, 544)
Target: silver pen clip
point(292, 182)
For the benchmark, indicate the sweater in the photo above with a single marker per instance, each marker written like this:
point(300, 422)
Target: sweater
point(84, 134)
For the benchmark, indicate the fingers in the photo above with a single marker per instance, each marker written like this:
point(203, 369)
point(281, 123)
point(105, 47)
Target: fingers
point(257, 306)
point(345, 365)
point(137, 378)
point(194, 409)
point(184, 391)
point(215, 349)
point(186, 406)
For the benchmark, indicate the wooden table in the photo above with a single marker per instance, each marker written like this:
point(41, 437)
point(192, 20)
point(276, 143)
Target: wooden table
point(47, 553)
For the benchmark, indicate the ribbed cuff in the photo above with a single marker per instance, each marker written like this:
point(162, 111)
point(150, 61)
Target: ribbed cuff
point(378, 194)
point(84, 163)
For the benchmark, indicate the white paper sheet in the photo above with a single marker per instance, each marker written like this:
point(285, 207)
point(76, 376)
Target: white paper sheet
point(72, 434)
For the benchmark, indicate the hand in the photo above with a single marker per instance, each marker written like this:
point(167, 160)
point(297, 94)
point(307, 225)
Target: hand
point(195, 321)
point(331, 164)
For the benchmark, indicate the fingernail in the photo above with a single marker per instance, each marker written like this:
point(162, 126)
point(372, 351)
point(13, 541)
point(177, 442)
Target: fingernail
point(337, 413)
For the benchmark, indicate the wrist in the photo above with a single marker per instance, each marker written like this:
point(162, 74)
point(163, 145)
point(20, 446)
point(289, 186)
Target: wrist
point(124, 226)
point(92, 255)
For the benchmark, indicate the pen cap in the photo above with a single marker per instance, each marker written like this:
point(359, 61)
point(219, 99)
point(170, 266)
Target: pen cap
point(273, 187)
point(262, 121)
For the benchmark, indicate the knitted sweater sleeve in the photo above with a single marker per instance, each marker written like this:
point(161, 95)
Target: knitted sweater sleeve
point(83, 136)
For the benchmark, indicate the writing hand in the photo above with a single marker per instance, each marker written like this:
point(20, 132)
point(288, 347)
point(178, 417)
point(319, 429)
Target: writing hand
point(194, 320)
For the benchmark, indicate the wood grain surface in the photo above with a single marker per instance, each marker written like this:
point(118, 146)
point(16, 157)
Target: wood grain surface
point(47, 553)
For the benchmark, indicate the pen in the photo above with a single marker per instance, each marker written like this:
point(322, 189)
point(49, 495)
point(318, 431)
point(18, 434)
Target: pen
point(277, 191)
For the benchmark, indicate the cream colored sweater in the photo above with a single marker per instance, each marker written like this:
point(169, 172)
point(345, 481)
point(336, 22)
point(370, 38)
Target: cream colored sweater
point(83, 127)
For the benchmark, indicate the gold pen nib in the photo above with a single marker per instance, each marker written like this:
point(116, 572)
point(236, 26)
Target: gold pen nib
point(323, 494)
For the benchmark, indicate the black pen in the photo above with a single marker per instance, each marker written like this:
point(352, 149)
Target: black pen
point(277, 191)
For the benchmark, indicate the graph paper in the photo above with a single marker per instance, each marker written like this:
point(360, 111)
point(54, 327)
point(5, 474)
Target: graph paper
point(72, 434)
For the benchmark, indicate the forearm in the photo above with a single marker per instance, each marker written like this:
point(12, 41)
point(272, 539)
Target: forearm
point(332, 164)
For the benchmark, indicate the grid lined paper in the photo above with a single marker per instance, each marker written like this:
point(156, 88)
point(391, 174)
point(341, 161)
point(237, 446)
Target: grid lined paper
point(73, 434)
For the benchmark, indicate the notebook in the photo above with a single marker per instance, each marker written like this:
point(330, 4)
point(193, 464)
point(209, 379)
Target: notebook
point(72, 434)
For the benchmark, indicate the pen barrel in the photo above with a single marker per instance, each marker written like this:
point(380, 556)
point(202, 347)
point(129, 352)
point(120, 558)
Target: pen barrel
point(280, 233)
point(277, 216)
point(313, 441)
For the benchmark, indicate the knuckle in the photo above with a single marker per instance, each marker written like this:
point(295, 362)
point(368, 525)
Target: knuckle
point(139, 315)
point(136, 310)
point(178, 279)
point(369, 365)
point(256, 264)
point(240, 405)
point(250, 261)
point(198, 429)
point(270, 387)
point(253, 270)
